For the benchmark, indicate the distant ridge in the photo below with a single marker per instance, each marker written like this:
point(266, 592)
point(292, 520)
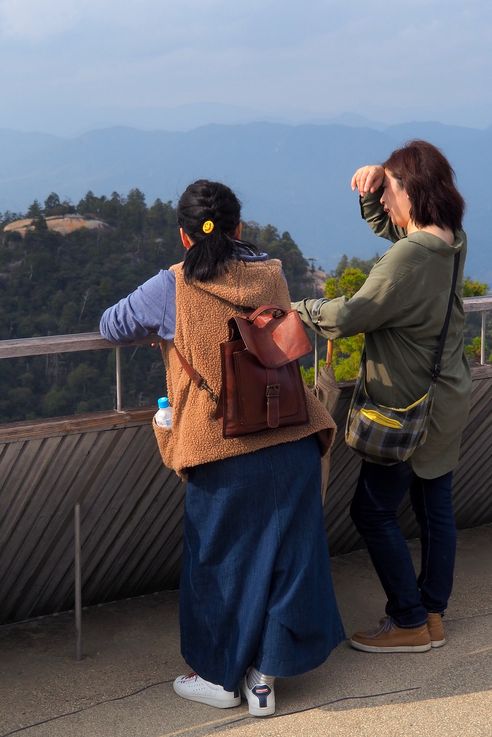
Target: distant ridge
point(295, 177)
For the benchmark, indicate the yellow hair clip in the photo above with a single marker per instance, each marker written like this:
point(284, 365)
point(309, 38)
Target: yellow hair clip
point(208, 226)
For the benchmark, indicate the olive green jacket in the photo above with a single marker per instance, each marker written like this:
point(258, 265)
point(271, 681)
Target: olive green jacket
point(401, 309)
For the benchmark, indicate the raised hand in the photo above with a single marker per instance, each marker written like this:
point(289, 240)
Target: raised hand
point(367, 178)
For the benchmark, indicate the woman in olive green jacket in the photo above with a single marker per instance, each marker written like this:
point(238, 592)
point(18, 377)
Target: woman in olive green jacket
point(412, 200)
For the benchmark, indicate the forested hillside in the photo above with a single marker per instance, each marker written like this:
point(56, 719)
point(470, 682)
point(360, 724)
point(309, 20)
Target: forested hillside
point(52, 284)
point(297, 177)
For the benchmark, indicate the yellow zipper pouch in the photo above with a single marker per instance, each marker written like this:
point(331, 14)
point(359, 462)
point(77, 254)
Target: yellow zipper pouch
point(381, 419)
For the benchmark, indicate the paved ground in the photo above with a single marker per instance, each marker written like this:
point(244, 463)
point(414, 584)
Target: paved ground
point(122, 687)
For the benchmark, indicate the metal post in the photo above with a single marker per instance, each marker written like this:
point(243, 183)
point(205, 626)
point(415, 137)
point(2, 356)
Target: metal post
point(482, 341)
point(119, 383)
point(78, 585)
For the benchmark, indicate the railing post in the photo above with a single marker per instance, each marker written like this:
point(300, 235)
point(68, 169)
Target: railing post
point(78, 584)
point(119, 383)
point(482, 341)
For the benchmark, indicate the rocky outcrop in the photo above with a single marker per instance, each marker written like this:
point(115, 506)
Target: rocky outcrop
point(63, 224)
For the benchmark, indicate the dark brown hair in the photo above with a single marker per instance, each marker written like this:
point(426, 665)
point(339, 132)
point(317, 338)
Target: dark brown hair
point(211, 252)
point(429, 180)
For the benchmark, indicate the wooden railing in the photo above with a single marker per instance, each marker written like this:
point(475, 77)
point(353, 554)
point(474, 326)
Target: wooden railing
point(19, 347)
point(72, 343)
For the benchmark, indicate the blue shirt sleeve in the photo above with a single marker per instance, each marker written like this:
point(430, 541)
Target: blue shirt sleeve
point(151, 308)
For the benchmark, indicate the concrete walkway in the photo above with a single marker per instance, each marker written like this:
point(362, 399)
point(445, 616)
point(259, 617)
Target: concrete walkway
point(122, 687)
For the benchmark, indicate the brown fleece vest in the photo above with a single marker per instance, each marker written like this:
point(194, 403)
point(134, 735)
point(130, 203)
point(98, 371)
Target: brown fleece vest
point(202, 312)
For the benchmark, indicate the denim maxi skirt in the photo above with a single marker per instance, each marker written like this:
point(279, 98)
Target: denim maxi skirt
point(256, 585)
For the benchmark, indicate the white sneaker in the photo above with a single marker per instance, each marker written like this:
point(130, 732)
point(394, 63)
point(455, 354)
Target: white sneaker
point(195, 688)
point(261, 695)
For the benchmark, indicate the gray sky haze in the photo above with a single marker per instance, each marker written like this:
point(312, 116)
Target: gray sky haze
point(67, 66)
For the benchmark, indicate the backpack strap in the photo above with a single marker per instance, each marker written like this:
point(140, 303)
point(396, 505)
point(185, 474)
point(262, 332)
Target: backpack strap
point(273, 398)
point(196, 378)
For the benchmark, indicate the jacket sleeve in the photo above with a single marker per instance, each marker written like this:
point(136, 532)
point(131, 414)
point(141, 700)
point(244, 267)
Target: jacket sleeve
point(151, 308)
point(373, 213)
point(382, 301)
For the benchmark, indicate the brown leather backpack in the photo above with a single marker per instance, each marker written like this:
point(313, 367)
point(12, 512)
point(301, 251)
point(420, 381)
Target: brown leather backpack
point(262, 387)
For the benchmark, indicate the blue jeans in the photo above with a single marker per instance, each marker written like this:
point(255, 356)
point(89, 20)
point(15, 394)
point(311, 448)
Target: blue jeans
point(380, 491)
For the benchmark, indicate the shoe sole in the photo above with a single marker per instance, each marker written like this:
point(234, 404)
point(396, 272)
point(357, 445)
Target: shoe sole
point(392, 649)
point(218, 703)
point(438, 643)
point(256, 711)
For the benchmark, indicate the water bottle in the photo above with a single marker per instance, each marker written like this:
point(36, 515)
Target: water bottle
point(164, 415)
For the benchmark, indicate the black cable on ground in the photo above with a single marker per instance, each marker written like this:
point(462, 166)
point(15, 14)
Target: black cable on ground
point(319, 706)
point(85, 708)
point(221, 726)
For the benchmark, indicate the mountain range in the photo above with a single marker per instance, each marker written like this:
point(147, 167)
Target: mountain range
point(295, 177)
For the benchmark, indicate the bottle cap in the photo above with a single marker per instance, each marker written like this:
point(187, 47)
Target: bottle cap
point(163, 402)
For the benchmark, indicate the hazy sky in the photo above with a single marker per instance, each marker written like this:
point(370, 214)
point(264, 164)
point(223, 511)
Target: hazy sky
point(69, 65)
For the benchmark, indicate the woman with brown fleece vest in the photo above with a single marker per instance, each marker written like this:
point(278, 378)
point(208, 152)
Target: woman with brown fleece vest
point(256, 597)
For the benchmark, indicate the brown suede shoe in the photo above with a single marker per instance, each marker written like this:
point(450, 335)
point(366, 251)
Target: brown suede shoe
point(436, 629)
point(389, 638)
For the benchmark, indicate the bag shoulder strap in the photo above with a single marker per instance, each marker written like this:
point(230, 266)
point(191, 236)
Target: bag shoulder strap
point(436, 370)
